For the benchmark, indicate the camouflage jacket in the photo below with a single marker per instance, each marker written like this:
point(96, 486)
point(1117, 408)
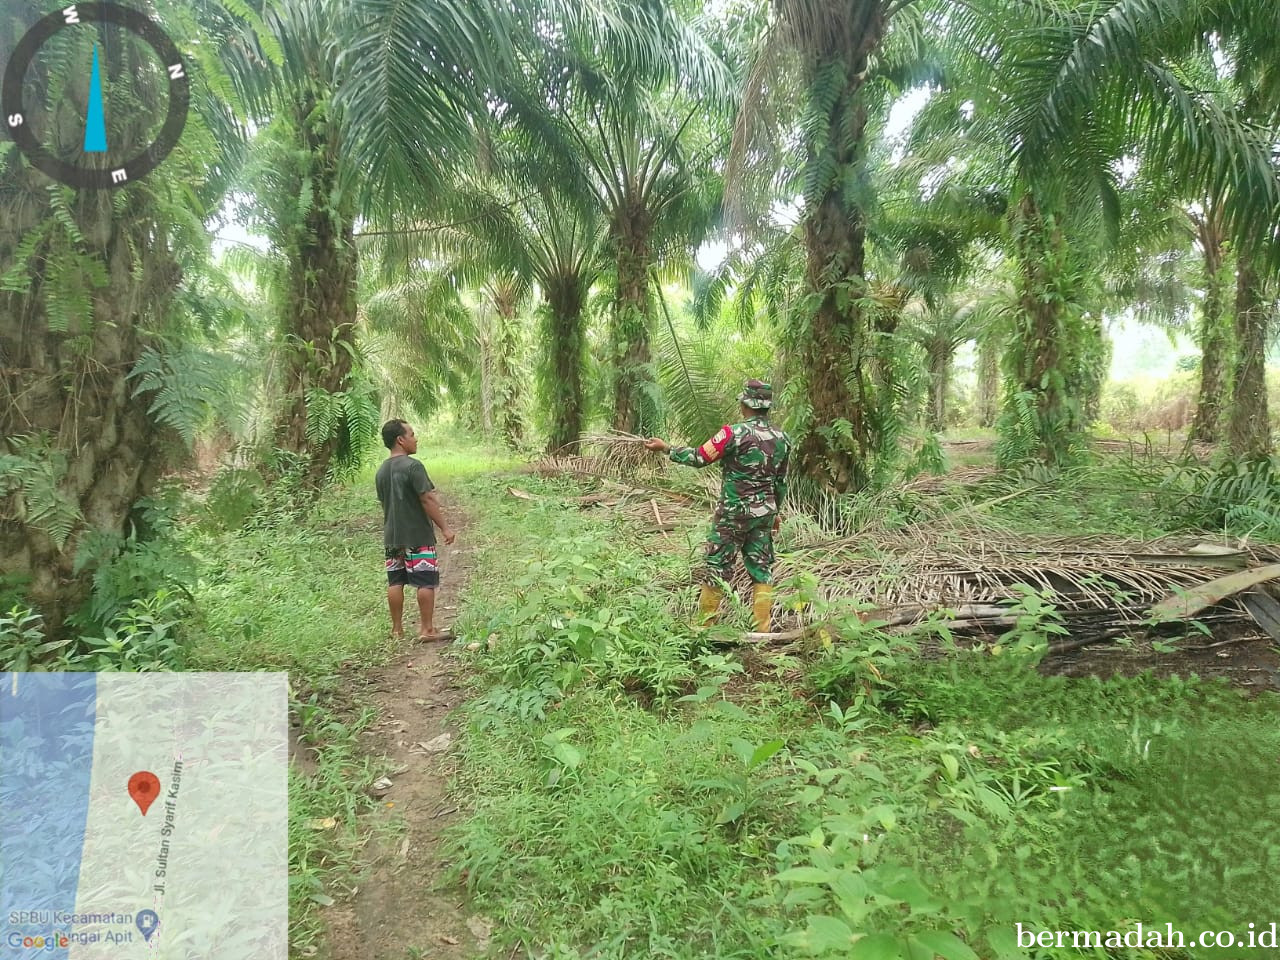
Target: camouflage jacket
point(753, 455)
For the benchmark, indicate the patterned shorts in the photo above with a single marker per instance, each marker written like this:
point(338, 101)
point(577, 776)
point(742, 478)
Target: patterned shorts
point(415, 566)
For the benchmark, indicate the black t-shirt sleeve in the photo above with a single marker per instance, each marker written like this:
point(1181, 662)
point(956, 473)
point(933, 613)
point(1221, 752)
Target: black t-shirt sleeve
point(419, 479)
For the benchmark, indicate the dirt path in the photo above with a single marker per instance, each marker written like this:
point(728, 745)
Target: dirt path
point(399, 910)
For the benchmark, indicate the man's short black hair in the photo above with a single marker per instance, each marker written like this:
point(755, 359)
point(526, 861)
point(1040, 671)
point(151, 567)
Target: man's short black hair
point(392, 431)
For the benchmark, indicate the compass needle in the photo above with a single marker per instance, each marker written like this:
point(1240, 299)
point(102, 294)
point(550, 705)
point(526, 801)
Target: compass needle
point(101, 165)
point(95, 127)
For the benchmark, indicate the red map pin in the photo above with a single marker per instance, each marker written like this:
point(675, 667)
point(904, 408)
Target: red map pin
point(144, 787)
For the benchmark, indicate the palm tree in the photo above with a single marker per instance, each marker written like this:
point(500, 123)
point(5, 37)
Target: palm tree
point(1249, 429)
point(90, 288)
point(507, 294)
point(627, 112)
point(836, 49)
point(511, 233)
point(1066, 91)
point(338, 85)
point(940, 330)
point(1215, 333)
point(419, 337)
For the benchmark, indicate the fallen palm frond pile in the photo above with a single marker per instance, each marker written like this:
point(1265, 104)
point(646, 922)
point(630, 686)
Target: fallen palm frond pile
point(625, 453)
point(1099, 587)
point(658, 509)
point(907, 558)
point(931, 483)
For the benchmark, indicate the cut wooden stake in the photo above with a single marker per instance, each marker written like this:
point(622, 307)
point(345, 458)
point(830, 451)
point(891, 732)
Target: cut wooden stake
point(658, 519)
point(1265, 610)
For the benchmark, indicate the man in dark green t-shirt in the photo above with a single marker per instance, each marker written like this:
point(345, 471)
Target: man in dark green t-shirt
point(409, 507)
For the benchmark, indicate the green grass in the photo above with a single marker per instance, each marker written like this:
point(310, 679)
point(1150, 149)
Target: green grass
point(635, 792)
point(308, 593)
point(1102, 495)
point(324, 808)
point(625, 807)
point(304, 591)
point(624, 847)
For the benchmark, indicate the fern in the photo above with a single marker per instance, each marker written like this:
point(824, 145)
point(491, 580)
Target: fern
point(66, 299)
point(324, 410)
point(1018, 430)
point(31, 477)
point(235, 495)
point(62, 213)
point(19, 277)
point(139, 571)
point(95, 548)
point(189, 383)
point(350, 417)
point(360, 422)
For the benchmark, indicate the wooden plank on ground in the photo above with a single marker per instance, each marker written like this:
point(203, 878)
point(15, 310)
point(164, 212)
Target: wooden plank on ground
point(1265, 610)
point(1186, 604)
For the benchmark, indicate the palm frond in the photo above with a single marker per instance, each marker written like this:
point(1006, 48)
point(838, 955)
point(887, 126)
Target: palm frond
point(413, 74)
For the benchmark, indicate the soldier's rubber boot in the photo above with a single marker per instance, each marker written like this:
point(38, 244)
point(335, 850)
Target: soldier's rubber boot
point(709, 604)
point(762, 606)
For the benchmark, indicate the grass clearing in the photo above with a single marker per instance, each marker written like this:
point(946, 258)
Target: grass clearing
point(636, 790)
point(637, 796)
point(304, 591)
point(324, 807)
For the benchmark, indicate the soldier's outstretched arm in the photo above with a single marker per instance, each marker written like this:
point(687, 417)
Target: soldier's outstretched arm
point(707, 454)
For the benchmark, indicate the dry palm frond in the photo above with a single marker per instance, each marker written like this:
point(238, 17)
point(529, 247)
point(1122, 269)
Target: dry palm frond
point(611, 470)
point(957, 477)
point(623, 457)
point(625, 452)
point(1093, 582)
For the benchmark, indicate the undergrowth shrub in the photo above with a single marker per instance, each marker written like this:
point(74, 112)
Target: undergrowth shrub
point(143, 637)
point(908, 805)
point(585, 612)
point(235, 495)
point(22, 642)
point(1241, 497)
point(612, 831)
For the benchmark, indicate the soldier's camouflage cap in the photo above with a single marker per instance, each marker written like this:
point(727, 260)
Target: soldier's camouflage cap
point(756, 395)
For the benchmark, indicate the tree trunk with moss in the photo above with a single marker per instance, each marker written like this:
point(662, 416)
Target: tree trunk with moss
point(836, 350)
point(88, 278)
point(508, 388)
point(320, 316)
point(939, 360)
point(634, 410)
point(1249, 432)
point(1214, 333)
point(566, 298)
point(1045, 352)
point(1093, 355)
point(988, 381)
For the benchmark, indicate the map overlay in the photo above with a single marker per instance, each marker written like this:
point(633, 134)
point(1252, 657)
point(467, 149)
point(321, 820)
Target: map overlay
point(143, 816)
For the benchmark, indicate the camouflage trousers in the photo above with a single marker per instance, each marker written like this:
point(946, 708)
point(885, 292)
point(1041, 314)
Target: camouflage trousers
point(733, 532)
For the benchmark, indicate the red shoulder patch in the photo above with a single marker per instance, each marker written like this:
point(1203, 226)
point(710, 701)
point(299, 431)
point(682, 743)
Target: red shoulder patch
point(713, 449)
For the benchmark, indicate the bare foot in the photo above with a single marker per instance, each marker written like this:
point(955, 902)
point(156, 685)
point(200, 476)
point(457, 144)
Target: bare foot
point(397, 634)
point(433, 635)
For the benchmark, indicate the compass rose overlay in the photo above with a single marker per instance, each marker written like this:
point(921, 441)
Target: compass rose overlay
point(16, 119)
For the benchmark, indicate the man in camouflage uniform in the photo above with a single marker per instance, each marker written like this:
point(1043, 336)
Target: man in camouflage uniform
point(753, 455)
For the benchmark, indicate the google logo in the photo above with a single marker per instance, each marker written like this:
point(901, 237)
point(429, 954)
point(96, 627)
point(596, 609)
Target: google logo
point(51, 942)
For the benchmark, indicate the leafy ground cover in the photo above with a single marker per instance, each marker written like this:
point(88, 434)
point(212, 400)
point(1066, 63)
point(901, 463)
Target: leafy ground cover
point(301, 589)
point(634, 787)
point(639, 791)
